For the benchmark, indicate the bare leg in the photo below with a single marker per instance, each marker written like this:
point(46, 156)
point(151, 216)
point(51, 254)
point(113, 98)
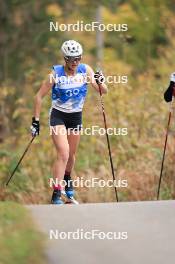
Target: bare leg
point(62, 148)
point(73, 141)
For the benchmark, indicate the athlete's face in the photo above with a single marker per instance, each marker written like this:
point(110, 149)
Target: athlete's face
point(72, 62)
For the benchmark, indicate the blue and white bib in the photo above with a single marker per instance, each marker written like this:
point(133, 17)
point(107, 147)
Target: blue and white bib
point(69, 92)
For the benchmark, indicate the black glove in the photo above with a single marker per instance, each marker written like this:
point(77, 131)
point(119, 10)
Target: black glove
point(170, 90)
point(35, 127)
point(99, 77)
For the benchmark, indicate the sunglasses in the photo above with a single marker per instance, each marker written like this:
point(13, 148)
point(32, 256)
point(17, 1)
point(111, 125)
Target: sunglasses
point(72, 59)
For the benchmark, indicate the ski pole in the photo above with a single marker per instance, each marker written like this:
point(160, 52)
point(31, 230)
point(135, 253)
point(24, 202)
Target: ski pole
point(20, 160)
point(108, 142)
point(165, 145)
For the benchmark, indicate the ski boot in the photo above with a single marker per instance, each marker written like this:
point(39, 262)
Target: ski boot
point(68, 193)
point(56, 197)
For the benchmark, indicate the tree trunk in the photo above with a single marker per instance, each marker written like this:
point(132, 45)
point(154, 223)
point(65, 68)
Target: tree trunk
point(99, 37)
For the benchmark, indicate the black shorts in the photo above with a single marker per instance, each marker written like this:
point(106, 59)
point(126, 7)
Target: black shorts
point(70, 120)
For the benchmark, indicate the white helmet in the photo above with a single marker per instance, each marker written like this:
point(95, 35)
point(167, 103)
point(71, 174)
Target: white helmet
point(71, 48)
point(172, 77)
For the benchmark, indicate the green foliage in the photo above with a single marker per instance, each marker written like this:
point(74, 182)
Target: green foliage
point(145, 53)
point(19, 242)
point(146, 32)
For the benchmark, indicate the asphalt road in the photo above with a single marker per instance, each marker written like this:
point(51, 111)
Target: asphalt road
point(144, 232)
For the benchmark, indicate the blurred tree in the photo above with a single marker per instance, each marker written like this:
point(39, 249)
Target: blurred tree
point(99, 36)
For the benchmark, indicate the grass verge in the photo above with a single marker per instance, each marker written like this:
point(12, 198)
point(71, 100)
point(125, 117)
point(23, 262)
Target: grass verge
point(20, 242)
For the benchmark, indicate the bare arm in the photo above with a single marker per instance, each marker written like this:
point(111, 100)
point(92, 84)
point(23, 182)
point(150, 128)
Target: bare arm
point(90, 74)
point(44, 89)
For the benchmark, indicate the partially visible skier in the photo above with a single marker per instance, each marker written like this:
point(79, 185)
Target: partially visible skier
point(170, 92)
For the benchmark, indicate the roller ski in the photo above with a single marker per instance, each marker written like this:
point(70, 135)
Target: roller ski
point(68, 195)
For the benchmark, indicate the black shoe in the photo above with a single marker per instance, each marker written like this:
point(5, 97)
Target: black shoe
point(56, 197)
